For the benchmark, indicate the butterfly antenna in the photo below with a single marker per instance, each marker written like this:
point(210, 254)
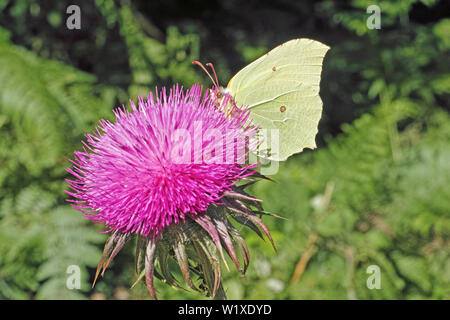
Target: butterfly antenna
point(209, 64)
point(206, 71)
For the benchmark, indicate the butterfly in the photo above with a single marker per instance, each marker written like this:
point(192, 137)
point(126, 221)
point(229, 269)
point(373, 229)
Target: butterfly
point(281, 90)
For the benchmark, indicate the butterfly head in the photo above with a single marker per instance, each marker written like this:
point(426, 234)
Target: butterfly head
point(217, 92)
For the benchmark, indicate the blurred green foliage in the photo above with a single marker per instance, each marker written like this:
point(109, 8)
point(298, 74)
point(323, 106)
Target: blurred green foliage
point(375, 193)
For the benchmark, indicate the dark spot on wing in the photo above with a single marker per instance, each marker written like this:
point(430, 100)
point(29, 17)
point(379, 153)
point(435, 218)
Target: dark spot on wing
point(283, 108)
point(274, 68)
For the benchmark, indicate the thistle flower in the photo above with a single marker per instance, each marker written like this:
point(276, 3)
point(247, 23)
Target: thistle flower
point(167, 172)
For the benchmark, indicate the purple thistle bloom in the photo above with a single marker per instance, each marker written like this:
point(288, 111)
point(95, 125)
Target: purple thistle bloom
point(168, 172)
point(170, 157)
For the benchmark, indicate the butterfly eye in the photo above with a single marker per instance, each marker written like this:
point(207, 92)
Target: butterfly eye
point(282, 108)
point(219, 95)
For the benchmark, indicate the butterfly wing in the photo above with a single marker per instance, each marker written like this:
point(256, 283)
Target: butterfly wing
point(281, 89)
